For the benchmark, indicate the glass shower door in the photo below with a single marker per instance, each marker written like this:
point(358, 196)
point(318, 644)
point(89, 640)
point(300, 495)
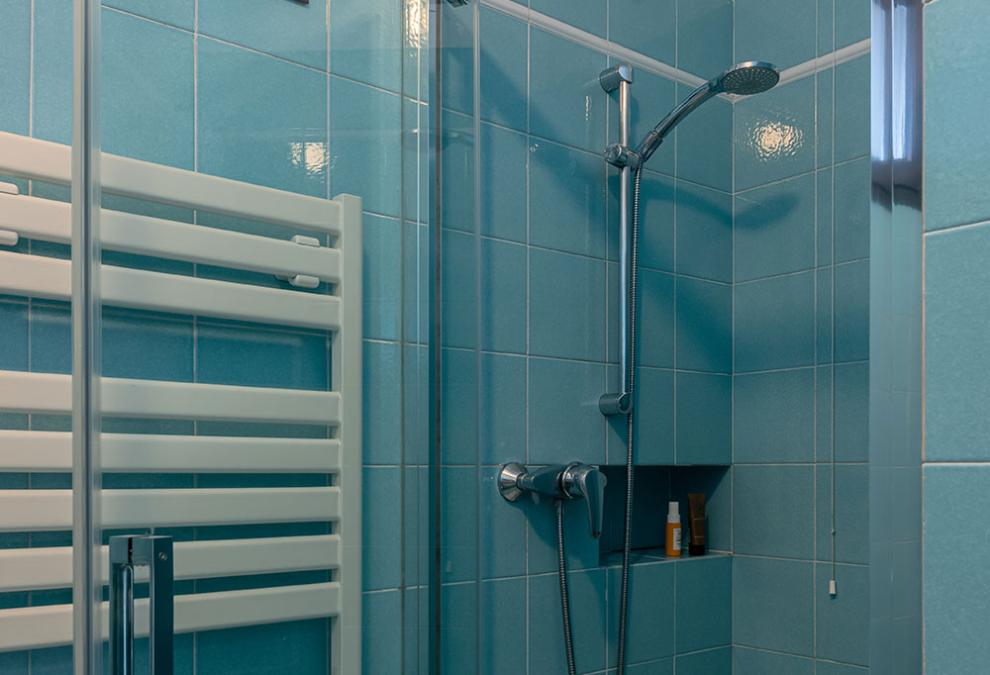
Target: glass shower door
point(257, 352)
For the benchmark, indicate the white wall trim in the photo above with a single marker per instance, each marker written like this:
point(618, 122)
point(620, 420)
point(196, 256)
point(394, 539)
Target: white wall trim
point(639, 60)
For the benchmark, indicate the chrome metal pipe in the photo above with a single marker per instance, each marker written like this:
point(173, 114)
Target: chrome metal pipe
point(620, 78)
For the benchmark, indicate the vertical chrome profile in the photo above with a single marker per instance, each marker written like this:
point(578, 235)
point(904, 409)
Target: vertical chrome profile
point(86, 583)
point(620, 78)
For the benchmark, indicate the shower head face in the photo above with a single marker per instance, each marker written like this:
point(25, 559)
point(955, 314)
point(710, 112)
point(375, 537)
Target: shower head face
point(748, 78)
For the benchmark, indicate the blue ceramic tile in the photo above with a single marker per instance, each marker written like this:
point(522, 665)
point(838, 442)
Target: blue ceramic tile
point(852, 109)
point(588, 16)
point(564, 422)
point(415, 397)
point(704, 36)
point(852, 210)
point(954, 182)
point(704, 418)
point(704, 144)
point(502, 408)
point(567, 200)
point(503, 296)
point(15, 65)
point(566, 312)
point(15, 663)
point(824, 127)
point(712, 662)
point(826, 668)
point(825, 221)
point(651, 612)
point(775, 229)
point(852, 391)
point(956, 360)
point(129, 337)
point(503, 74)
point(503, 533)
point(381, 617)
point(415, 281)
point(852, 21)
point(291, 30)
point(774, 416)
point(263, 121)
point(826, 26)
point(772, 607)
point(656, 319)
point(775, 323)
point(754, 662)
point(382, 277)
point(366, 42)
point(416, 156)
point(824, 316)
point(458, 635)
point(704, 232)
point(459, 404)
point(297, 647)
point(176, 12)
point(783, 32)
point(231, 354)
point(704, 326)
point(382, 403)
point(661, 667)
point(460, 290)
point(503, 604)
point(656, 235)
point(567, 103)
point(956, 577)
point(852, 311)
point(51, 338)
point(381, 519)
point(775, 134)
point(704, 604)
point(541, 536)
point(546, 642)
point(774, 511)
point(655, 424)
point(504, 158)
point(366, 145)
point(852, 522)
point(842, 623)
point(459, 550)
point(457, 58)
point(458, 162)
point(52, 72)
point(645, 26)
point(14, 336)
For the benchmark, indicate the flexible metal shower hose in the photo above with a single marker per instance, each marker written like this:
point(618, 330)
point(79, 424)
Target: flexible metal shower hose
point(630, 427)
point(565, 602)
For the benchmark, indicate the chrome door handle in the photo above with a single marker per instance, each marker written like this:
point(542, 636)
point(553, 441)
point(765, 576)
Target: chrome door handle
point(126, 553)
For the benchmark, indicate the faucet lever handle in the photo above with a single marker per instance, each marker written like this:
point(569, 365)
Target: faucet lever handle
point(588, 483)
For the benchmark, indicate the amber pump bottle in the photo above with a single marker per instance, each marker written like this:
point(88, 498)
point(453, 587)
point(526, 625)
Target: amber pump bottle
point(673, 542)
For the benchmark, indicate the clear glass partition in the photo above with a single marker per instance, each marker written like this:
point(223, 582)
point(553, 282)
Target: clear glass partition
point(259, 361)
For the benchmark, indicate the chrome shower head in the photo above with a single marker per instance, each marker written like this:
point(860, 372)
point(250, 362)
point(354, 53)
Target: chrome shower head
point(743, 79)
point(748, 78)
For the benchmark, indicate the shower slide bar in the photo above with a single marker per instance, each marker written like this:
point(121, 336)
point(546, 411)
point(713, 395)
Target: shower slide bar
point(336, 226)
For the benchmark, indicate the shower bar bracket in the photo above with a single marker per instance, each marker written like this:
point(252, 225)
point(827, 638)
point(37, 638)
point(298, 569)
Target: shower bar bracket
point(619, 78)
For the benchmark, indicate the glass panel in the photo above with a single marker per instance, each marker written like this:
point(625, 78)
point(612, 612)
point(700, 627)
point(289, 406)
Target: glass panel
point(262, 344)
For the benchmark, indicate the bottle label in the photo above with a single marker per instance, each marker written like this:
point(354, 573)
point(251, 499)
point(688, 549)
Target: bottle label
point(677, 538)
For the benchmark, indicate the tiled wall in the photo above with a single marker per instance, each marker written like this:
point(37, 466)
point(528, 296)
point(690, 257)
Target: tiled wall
point(957, 316)
point(530, 311)
point(318, 99)
point(801, 345)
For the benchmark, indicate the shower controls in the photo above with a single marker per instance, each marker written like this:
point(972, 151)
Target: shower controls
point(573, 481)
